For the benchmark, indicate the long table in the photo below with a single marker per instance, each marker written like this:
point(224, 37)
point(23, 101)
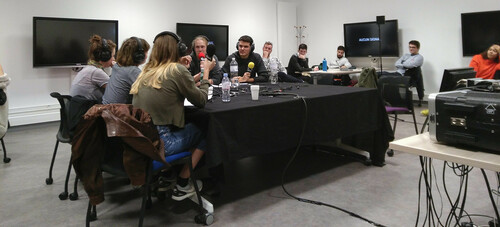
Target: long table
point(326, 77)
point(243, 127)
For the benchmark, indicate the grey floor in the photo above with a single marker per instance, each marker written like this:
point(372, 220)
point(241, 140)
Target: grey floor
point(251, 196)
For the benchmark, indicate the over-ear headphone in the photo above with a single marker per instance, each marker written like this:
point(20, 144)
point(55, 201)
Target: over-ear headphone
point(103, 53)
point(252, 45)
point(138, 56)
point(181, 47)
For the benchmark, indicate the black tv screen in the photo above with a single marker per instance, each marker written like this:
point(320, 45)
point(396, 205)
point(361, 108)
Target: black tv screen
point(479, 31)
point(65, 42)
point(362, 39)
point(452, 76)
point(217, 34)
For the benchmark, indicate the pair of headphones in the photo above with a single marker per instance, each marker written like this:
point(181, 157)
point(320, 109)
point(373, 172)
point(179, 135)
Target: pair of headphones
point(138, 56)
point(252, 45)
point(103, 53)
point(181, 47)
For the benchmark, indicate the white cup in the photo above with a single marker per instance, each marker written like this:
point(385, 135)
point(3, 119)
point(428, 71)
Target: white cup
point(255, 92)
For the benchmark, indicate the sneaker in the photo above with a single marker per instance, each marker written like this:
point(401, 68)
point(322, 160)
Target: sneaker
point(166, 183)
point(180, 193)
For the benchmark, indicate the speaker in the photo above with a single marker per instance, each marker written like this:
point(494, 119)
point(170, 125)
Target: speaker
point(380, 19)
point(103, 53)
point(138, 56)
point(181, 47)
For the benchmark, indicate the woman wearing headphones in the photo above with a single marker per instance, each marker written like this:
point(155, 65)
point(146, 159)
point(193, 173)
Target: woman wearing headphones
point(132, 53)
point(160, 90)
point(91, 81)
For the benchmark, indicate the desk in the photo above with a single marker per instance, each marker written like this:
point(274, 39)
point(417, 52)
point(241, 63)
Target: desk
point(243, 128)
point(422, 145)
point(328, 75)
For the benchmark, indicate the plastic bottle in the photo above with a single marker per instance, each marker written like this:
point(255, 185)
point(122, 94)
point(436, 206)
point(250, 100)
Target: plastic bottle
point(273, 65)
point(226, 88)
point(325, 67)
point(233, 68)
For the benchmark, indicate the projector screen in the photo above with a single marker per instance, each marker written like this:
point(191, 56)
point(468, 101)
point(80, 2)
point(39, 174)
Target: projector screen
point(362, 39)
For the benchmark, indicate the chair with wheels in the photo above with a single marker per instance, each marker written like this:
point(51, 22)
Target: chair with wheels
point(398, 98)
point(62, 136)
point(5, 158)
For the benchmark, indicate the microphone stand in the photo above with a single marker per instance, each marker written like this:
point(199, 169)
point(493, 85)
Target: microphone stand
point(379, 48)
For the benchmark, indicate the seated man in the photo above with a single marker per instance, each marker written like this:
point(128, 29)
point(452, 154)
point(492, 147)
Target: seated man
point(199, 45)
point(411, 60)
point(299, 63)
point(267, 49)
point(340, 61)
point(409, 65)
point(243, 56)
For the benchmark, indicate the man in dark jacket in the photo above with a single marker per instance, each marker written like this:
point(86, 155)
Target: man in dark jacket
point(243, 56)
point(299, 63)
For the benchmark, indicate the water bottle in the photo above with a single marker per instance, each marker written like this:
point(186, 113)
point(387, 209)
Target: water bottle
point(325, 67)
point(226, 88)
point(233, 68)
point(273, 65)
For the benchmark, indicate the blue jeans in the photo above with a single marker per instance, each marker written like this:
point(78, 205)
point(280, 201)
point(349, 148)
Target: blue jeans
point(184, 139)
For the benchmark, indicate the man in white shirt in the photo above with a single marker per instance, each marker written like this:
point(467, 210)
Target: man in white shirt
point(340, 61)
point(267, 49)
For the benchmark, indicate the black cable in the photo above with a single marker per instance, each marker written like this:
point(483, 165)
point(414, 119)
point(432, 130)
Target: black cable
point(307, 200)
point(489, 193)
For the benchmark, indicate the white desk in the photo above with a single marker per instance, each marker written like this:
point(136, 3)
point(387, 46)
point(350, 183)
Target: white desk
point(422, 145)
point(332, 72)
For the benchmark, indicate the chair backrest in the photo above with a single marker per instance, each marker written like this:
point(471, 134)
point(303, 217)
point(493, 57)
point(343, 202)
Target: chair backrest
point(63, 133)
point(367, 78)
point(395, 91)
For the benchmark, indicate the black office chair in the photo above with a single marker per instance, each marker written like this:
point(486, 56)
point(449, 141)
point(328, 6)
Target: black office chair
point(5, 158)
point(398, 97)
point(63, 137)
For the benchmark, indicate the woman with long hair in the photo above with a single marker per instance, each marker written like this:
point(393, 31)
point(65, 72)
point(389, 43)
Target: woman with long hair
point(91, 81)
point(160, 90)
point(486, 63)
point(132, 53)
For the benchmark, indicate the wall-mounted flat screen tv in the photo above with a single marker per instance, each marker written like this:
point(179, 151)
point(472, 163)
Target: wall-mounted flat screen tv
point(362, 39)
point(217, 34)
point(64, 42)
point(479, 31)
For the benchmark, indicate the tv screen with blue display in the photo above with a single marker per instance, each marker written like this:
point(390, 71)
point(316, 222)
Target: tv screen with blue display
point(363, 40)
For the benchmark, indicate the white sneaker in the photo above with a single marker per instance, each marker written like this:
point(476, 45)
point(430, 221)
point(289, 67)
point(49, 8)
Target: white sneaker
point(180, 193)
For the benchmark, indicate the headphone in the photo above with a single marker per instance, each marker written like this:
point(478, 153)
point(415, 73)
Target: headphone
point(181, 47)
point(103, 53)
point(138, 56)
point(252, 45)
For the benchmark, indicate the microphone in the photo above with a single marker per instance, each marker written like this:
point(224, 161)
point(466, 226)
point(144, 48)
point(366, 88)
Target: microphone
point(210, 51)
point(250, 66)
point(201, 56)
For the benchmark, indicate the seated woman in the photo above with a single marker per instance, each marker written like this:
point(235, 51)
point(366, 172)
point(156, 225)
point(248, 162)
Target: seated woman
point(91, 81)
point(486, 63)
point(132, 53)
point(160, 90)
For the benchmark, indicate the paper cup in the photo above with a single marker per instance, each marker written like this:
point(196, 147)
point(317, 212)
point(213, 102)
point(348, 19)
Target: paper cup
point(255, 92)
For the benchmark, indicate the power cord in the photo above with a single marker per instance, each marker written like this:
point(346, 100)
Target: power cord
point(307, 200)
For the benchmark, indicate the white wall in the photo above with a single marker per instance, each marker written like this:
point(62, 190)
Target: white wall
point(29, 91)
point(436, 24)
